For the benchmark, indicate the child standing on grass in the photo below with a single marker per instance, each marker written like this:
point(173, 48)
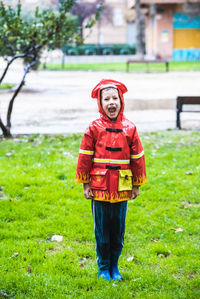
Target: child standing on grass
point(111, 167)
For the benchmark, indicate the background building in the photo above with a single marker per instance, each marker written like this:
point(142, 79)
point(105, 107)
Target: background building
point(119, 28)
point(173, 29)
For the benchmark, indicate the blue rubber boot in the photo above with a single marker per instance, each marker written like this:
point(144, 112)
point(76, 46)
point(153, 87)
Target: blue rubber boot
point(114, 271)
point(105, 274)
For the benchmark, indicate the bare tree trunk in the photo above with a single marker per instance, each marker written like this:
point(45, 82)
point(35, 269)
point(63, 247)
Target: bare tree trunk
point(6, 129)
point(139, 30)
point(6, 132)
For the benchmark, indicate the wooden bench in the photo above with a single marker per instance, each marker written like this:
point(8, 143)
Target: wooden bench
point(147, 61)
point(180, 101)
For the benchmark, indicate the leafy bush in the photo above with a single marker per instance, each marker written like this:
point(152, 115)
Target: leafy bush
point(93, 49)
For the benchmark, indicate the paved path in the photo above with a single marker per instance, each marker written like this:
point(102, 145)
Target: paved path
point(59, 101)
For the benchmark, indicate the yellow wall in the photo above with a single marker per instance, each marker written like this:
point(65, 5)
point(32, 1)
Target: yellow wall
point(186, 38)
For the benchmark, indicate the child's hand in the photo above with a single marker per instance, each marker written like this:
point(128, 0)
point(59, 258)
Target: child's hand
point(135, 192)
point(87, 191)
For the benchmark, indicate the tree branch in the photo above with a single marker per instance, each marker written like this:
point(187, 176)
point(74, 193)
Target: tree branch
point(9, 63)
point(10, 107)
point(27, 53)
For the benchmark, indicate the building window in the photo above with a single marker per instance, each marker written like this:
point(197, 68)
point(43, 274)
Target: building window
point(117, 17)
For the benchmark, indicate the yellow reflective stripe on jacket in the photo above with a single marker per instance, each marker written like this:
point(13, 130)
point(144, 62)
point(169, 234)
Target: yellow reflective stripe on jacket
point(86, 152)
point(111, 161)
point(137, 156)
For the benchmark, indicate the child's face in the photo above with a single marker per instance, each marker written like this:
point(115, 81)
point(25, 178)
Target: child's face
point(111, 102)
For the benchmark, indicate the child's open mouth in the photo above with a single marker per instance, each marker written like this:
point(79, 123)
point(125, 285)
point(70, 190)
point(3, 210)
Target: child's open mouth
point(112, 110)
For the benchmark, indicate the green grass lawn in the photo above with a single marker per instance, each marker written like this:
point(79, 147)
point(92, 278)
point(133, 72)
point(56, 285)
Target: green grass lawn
point(38, 198)
point(121, 66)
point(6, 85)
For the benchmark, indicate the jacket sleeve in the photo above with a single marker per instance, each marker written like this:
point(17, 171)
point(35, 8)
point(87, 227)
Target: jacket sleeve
point(85, 157)
point(137, 161)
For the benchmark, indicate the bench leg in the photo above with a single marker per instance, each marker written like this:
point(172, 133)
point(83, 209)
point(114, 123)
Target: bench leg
point(178, 121)
point(167, 66)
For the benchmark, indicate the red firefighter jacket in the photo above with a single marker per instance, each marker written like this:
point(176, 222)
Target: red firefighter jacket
point(111, 156)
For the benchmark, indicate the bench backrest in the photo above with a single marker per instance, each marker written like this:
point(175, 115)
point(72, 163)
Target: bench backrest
point(193, 100)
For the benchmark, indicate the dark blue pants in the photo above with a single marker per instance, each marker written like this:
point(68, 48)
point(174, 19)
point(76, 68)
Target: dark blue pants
point(109, 229)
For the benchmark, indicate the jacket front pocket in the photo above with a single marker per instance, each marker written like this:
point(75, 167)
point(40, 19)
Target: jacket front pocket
point(125, 180)
point(99, 178)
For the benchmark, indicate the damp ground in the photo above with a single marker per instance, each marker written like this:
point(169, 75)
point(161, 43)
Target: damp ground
point(60, 101)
